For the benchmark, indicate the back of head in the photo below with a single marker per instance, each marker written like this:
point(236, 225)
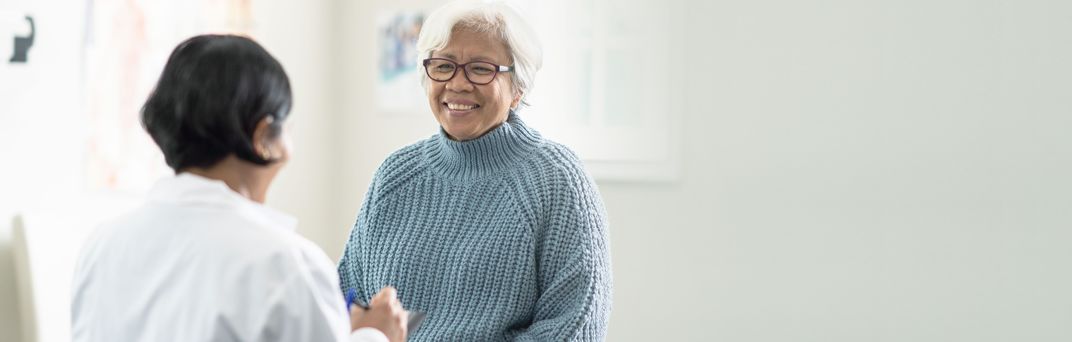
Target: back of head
point(210, 97)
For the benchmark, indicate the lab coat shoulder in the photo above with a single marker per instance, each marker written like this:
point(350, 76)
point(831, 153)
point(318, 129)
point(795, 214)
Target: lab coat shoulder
point(296, 294)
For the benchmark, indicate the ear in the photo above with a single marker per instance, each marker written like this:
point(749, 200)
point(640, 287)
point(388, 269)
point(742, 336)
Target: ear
point(517, 99)
point(262, 137)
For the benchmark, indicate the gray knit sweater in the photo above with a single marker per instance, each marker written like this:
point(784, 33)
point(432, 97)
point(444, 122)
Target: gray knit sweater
point(499, 238)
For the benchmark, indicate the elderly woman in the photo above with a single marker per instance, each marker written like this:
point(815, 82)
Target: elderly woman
point(204, 259)
point(494, 231)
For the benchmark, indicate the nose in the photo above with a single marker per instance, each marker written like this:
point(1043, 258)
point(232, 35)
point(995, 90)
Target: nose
point(459, 82)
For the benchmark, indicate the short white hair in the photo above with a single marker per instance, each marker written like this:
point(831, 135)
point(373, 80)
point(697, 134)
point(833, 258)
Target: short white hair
point(493, 17)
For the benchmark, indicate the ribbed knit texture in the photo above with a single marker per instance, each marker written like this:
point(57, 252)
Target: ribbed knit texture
point(500, 238)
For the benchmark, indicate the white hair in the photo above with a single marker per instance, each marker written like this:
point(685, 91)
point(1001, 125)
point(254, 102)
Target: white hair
point(493, 17)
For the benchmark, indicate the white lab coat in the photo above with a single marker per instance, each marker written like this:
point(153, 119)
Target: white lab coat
point(199, 262)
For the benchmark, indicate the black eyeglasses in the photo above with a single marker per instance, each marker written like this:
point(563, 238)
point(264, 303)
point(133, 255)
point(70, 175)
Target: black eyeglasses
point(442, 70)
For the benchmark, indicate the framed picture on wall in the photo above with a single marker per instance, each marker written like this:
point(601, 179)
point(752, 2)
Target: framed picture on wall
point(610, 85)
point(398, 77)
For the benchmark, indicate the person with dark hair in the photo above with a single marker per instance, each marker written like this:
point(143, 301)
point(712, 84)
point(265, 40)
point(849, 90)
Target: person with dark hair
point(204, 259)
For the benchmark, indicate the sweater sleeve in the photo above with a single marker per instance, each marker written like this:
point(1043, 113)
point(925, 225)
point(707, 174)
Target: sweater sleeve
point(349, 267)
point(574, 270)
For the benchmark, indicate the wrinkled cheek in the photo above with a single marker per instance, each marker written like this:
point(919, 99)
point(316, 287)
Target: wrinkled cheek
point(433, 99)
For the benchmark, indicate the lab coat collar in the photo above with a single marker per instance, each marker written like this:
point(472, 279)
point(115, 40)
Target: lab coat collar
point(190, 189)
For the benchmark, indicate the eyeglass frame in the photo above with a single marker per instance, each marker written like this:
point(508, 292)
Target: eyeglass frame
point(457, 66)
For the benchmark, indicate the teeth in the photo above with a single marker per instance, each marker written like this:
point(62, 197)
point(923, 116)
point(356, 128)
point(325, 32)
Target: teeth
point(456, 106)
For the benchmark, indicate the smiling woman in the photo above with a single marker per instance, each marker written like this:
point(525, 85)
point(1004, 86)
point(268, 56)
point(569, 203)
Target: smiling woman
point(486, 49)
point(468, 107)
point(494, 231)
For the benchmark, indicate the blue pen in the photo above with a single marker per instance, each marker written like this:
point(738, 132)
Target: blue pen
point(351, 296)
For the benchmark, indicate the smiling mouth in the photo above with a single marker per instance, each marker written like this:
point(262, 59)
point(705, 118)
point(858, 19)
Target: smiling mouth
point(460, 107)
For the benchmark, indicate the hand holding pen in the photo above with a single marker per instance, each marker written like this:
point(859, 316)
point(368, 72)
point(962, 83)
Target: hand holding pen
point(384, 313)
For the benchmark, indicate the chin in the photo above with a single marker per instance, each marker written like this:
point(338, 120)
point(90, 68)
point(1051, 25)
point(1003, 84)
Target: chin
point(461, 134)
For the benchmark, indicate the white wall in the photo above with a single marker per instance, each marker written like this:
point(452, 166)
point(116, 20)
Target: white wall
point(860, 171)
point(35, 98)
point(301, 36)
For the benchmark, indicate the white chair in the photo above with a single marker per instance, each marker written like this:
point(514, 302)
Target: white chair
point(46, 245)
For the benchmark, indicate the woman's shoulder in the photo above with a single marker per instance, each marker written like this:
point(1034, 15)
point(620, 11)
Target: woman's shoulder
point(552, 174)
point(401, 166)
point(409, 153)
point(406, 158)
point(557, 162)
point(558, 184)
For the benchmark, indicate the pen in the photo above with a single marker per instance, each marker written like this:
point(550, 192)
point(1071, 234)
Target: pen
point(351, 299)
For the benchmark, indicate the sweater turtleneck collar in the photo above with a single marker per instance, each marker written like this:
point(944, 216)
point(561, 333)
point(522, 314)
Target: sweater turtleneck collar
point(497, 150)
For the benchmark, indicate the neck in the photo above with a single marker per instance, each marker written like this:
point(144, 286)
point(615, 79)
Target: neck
point(498, 149)
point(452, 137)
point(245, 178)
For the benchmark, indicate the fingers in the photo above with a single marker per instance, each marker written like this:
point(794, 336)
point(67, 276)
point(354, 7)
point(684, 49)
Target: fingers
point(357, 315)
point(387, 300)
point(356, 312)
point(387, 296)
point(385, 313)
point(403, 317)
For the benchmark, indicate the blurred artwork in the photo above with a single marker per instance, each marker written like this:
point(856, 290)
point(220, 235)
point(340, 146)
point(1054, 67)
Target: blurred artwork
point(398, 81)
point(127, 43)
point(610, 75)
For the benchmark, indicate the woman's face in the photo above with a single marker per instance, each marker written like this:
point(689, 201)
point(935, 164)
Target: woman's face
point(477, 108)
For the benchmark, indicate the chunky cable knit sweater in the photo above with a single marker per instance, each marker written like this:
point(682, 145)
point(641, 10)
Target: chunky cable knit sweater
point(499, 238)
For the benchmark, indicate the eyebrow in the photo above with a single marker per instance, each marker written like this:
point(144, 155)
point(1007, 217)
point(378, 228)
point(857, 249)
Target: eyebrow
point(475, 58)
